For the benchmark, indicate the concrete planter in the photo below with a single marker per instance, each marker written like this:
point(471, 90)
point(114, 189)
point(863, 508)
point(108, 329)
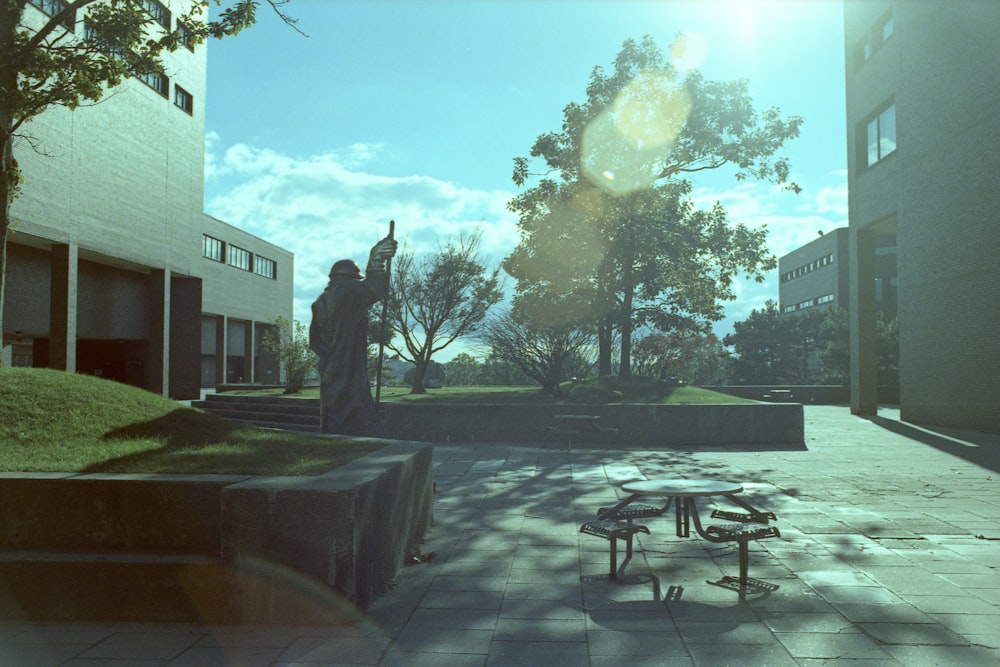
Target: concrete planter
point(724, 424)
point(210, 547)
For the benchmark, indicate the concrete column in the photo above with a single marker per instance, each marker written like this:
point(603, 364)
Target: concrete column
point(222, 351)
point(251, 351)
point(864, 370)
point(63, 307)
point(185, 338)
point(158, 356)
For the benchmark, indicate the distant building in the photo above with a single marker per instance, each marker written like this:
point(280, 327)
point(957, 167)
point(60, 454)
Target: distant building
point(113, 267)
point(817, 275)
point(924, 178)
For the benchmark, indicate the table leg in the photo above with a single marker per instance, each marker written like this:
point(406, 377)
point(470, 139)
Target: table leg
point(683, 517)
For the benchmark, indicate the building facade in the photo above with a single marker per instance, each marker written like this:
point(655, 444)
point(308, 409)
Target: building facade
point(815, 276)
point(114, 269)
point(924, 169)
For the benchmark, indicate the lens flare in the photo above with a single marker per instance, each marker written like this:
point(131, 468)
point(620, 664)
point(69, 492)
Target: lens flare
point(624, 146)
point(688, 52)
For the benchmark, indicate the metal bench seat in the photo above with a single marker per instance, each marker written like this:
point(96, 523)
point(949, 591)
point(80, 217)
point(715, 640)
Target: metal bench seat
point(635, 511)
point(741, 533)
point(614, 530)
point(759, 517)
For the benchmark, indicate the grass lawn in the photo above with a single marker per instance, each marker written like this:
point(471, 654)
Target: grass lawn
point(63, 422)
point(637, 390)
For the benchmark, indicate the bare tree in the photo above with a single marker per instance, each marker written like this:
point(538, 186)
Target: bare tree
point(545, 351)
point(437, 299)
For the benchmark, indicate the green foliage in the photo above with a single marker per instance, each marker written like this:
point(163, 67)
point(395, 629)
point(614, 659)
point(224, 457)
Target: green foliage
point(289, 342)
point(64, 422)
point(463, 370)
point(769, 346)
point(772, 348)
point(609, 234)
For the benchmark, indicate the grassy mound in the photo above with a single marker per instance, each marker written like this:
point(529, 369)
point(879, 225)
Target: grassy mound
point(64, 422)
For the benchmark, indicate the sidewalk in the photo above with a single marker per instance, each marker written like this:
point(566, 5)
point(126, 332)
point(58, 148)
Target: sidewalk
point(889, 555)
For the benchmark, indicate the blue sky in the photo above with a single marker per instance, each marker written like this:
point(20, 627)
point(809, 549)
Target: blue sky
point(414, 109)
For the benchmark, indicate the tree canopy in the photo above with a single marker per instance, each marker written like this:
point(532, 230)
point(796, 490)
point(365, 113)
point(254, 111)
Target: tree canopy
point(71, 52)
point(608, 229)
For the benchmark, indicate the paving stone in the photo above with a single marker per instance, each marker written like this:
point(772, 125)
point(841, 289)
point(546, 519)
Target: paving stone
point(519, 654)
point(853, 645)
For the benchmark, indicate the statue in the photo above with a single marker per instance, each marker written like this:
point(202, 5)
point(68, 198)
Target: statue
point(339, 335)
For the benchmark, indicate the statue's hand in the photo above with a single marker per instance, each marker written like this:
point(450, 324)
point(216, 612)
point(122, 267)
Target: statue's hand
point(382, 251)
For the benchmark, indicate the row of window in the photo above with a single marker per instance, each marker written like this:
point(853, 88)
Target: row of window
point(159, 82)
point(233, 255)
point(157, 11)
point(807, 268)
point(809, 303)
point(873, 40)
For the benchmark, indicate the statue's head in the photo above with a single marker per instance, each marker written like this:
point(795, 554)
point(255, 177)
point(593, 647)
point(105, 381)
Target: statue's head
point(345, 268)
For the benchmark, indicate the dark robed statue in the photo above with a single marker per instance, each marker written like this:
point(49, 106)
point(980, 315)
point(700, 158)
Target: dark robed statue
point(339, 335)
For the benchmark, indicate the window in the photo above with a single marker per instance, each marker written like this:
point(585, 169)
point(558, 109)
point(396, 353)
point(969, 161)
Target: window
point(873, 40)
point(186, 37)
point(183, 99)
point(211, 247)
point(880, 135)
point(239, 257)
point(826, 298)
point(789, 309)
point(158, 82)
point(53, 7)
point(263, 266)
point(159, 12)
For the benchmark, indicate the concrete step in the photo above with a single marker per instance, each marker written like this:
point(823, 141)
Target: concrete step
point(265, 411)
point(192, 588)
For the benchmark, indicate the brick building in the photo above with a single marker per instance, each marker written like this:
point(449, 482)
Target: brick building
point(114, 269)
point(924, 170)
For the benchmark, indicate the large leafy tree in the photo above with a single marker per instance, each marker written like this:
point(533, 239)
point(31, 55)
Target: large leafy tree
point(75, 51)
point(767, 347)
point(437, 299)
point(609, 222)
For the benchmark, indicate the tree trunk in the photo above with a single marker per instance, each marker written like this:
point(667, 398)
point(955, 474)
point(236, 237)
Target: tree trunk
point(419, 371)
point(8, 181)
point(605, 338)
point(625, 324)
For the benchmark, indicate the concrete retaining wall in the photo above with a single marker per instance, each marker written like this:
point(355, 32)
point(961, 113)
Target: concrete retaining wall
point(636, 424)
point(72, 545)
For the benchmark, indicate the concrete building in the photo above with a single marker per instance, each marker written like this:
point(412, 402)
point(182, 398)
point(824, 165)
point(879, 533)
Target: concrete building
point(924, 176)
point(114, 269)
point(817, 275)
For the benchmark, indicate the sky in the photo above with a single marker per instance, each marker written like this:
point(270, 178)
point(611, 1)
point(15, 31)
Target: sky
point(413, 110)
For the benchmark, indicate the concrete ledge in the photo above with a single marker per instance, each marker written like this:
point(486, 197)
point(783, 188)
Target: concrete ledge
point(211, 547)
point(724, 424)
point(351, 528)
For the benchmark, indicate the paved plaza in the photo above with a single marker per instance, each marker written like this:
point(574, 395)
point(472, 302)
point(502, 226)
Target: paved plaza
point(889, 555)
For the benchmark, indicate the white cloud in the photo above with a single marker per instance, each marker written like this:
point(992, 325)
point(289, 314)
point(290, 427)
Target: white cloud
point(335, 205)
point(791, 221)
point(327, 207)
